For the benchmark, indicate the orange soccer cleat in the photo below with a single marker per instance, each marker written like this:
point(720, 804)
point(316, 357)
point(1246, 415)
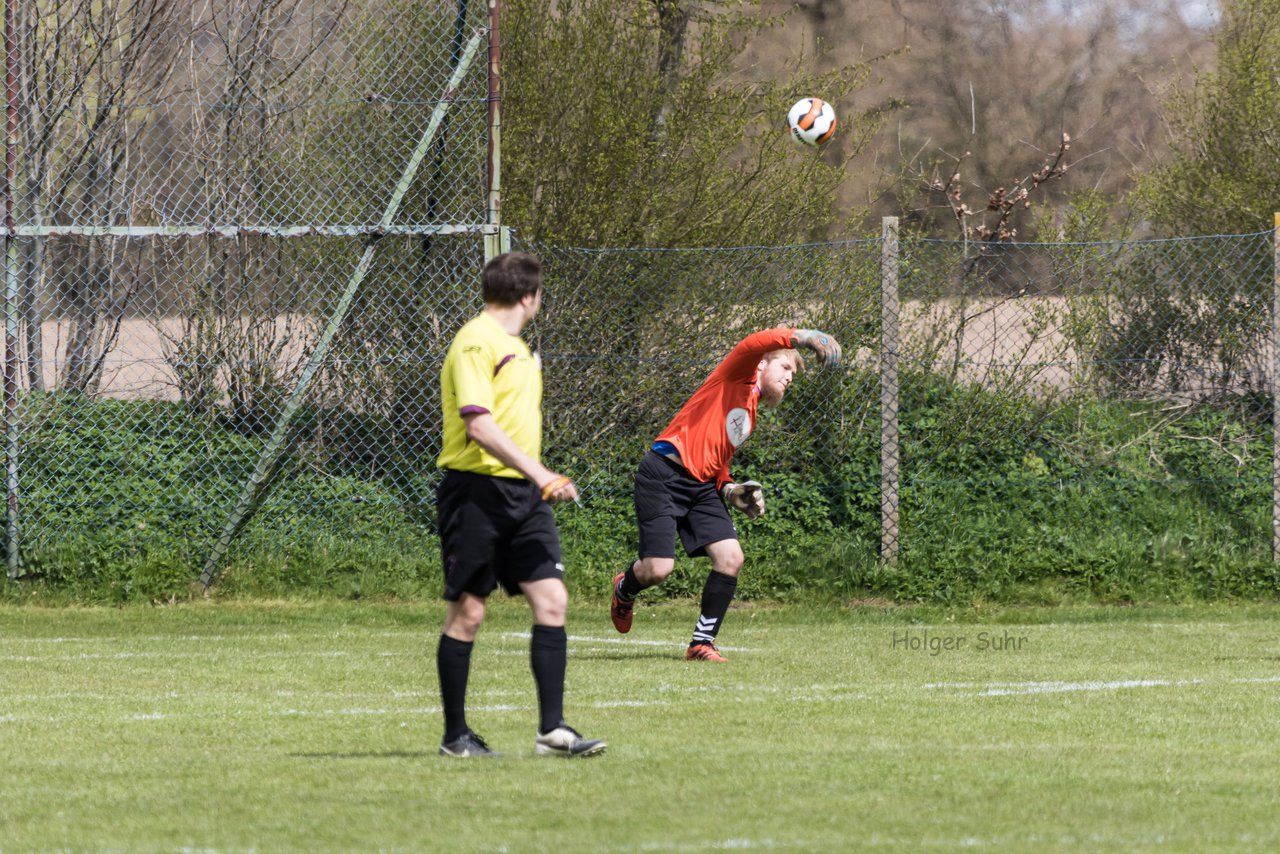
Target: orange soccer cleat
point(703, 652)
point(620, 610)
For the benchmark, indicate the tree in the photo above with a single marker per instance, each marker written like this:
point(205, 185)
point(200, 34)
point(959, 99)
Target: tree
point(87, 68)
point(627, 122)
point(1003, 81)
point(1223, 172)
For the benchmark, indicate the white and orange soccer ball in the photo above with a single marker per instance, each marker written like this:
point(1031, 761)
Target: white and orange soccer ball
point(812, 121)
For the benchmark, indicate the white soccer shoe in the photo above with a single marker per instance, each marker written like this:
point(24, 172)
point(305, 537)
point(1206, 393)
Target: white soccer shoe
point(564, 740)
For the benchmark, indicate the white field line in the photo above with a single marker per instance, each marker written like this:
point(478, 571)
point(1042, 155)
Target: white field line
point(124, 655)
point(1017, 689)
point(255, 636)
point(733, 844)
point(1030, 842)
point(813, 694)
point(628, 704)
point(593, 640)
point(415, 633)
point(744, 693)
point(1067, 687)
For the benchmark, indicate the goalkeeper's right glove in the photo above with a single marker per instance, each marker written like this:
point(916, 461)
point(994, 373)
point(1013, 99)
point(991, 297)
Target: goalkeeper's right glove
point(747, 496)
point(827, 348)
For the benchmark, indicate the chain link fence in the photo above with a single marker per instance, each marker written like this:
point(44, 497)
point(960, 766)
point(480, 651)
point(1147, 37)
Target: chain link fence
point(234, 234)
point(971, 368)
point(241, 236)
point(981, 357)
point(1119, 366)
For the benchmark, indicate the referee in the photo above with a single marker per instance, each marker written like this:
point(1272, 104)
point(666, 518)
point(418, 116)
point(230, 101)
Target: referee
point(493, 506)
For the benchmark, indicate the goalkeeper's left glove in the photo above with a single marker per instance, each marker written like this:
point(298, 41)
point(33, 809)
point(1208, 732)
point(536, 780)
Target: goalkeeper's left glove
point(747, 496)
point(826, 346)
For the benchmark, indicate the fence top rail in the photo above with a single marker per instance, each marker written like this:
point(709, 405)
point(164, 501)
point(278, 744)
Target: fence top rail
point(873, 241)
point(245, 230)
point(1046, 244)
point(614, 250)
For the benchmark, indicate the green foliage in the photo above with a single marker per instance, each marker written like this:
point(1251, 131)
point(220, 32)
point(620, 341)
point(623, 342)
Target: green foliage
point(1108, 501)
point(620, 127)
point(136, 505)
point(1223, 176)
point(1004, 499)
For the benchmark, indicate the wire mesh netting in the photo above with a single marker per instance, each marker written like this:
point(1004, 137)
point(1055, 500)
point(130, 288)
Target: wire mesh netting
point(200, 339)
point(635, 331)
point(1068, 381)
point(239, 113)
point(1171, 324)
point(994, 350)
point(238, 232)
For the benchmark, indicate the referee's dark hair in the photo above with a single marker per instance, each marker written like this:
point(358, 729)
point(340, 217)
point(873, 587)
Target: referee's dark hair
point(511, 276)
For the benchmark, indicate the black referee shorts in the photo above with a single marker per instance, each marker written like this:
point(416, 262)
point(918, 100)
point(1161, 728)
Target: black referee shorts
point(494, 530)
point(670, 501)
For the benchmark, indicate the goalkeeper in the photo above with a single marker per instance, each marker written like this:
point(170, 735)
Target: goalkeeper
point(683, 485)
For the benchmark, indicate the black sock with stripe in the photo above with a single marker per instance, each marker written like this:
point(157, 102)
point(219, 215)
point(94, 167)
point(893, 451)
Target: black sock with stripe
point(630, 587)
point(717, 593)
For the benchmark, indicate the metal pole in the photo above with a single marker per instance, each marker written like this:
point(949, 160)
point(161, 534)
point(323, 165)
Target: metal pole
point(496, 241)
point(890, 538)
point(11, 302)
point(1275, 390)
point(255, 486)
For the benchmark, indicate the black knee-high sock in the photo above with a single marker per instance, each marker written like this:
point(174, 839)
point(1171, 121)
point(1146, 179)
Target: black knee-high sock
point(547, 654)
point(630, 587)
point(717, 593)
point(453, 663)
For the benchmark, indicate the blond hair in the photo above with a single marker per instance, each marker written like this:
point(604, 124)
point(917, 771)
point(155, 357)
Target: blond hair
point(774, 355)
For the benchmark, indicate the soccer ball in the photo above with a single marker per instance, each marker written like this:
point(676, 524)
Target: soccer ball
point(812, 121)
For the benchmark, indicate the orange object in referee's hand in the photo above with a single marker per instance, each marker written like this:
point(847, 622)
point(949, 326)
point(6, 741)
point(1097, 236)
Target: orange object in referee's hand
point(553, 486)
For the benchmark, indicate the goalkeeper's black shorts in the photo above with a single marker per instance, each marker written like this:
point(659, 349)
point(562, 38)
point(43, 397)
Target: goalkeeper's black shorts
point(671, 502)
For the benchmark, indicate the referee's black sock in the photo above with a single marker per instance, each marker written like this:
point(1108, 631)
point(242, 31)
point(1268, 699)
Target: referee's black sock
point(717, 593)
point(453, 663)
point(547, 654)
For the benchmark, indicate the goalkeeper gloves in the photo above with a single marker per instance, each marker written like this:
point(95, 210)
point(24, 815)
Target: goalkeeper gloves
point(747, 496)
point(827, 348)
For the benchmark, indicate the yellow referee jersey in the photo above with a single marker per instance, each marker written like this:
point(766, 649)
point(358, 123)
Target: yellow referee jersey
point(487, 369)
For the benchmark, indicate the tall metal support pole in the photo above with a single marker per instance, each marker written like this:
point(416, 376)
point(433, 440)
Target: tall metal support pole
point(498, 239)
point(890, 471)
point(12, 306)
point(1275, 390)
point(255, 486)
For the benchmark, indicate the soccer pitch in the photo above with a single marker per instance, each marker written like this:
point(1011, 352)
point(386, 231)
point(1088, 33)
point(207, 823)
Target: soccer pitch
point(314, 727)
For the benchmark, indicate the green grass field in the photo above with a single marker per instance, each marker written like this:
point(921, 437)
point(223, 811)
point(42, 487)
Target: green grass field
point(314, 727)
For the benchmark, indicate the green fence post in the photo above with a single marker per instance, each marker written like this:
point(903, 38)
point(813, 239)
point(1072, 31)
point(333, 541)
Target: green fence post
point(1275, 391)
point(889, 393)
point(11, 307)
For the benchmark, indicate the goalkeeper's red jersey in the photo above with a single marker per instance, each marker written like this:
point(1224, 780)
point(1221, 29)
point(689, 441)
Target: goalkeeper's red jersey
point(722, 413)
